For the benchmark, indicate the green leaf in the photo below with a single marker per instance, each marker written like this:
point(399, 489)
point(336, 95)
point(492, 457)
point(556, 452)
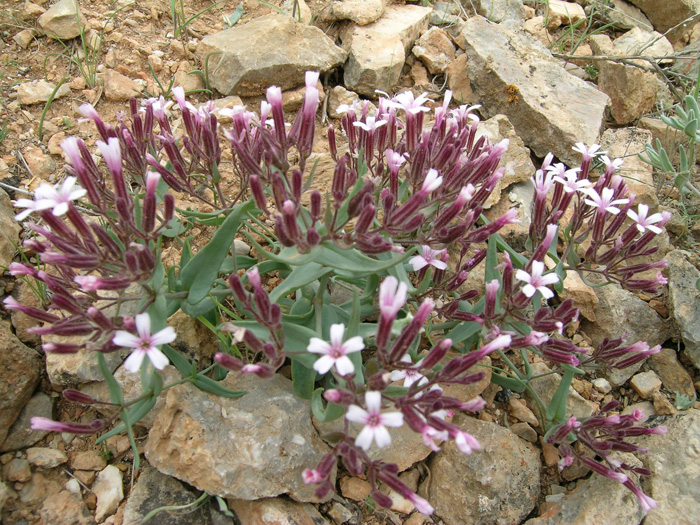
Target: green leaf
point(135, 414)
point(354, 261)
point(296, 339)
point(326, 414)
point(556, 409)
point(300, 276)
point(508, 382)
point(491, 272)
point(207, 384)
point(463, 331)
point(115, 392)
point(199, 309)
point(200, 272)
point(303, 379)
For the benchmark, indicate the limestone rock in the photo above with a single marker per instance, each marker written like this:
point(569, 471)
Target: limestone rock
point(518, 196)
point(40, 164)
point(645, 384)
point(45, 457)
point(301, 14)
point(39, 91)
point(120, 88)
point(250, 447)
point(21, 434)
point(154, 490)
point(632, 91)
point(673, 375)
point(435, 50)
point(674, 461)
point(497, 484)
point(72, 370)
point(444, 14)
point(377, 51)
point(545, 387)
point(667, 14)
point(581, 294)
point(270, 50)
point(513, 74)
point(640, 42)
point(339, 96)
point(10, 228)
point(498, 10)
point(626, 143)
point(620, 311)
point(24, 38)
point(683, 300)
point(63, 20)
point(362, 12)
point(65, 507)
point(458, 80)
point(109, 491)
point(20, 372)
point(468, 392)
point(624, 15)
point(276, 511)
point(560, 13)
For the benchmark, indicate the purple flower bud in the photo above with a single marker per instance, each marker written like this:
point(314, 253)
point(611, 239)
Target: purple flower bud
point(78, 397)
point(42, 423)
point(491, 296)
point(381, 499)
point(312, 237)
point(256, 189)
point(10, 303)
point(436, 354)
point(261, 370)
point(168, 208)
point(99, 318)
point(92, 283)
point(229, 362)
point(409, 333)
point(61, 348)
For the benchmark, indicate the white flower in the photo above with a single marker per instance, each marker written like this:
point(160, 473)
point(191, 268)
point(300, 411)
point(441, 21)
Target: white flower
point(604, 202)
point(644, 222)
point(570, 181)
point(371, 125)
point(144, 344)
point(375, 422)
point(410, 104)
point(409, 375)
point(392, 297)
point(336, 352)
point(588, 153)
point(431, 182)
point(611, 164)
point(536, 282)
point(47, 197)
point(429, 256)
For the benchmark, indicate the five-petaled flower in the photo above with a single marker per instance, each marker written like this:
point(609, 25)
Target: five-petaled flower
point(644, 222)
point(409, 375)
point(56, 197)
point(374, 420)
point(145, 344)
point(605, 201)
point(392, 297)
point(429, 256)
point(536, 282)
point(588, 153)
point(336, 352)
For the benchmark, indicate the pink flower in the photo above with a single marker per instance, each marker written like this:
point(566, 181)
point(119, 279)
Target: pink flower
point(375, 422)
point(644, 222)
point(336, 352)
point(466, 443)
point(588, 153)
point(410, 104)
point(431, 182)
point(392, 297)
point(605, 202)
point(429, 257)
point(409, 375)
point(111, 153)
point(55, 197)
point(144, 344)
point(536, 282)
point(371, 125)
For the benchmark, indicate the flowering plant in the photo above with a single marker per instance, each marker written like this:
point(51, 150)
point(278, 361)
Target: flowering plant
point(402, 228)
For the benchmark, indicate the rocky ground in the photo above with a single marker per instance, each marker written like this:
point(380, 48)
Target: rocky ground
point(538, 72)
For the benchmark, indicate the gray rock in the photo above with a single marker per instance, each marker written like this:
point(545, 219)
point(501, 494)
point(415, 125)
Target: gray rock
point(498, 10)
point(109, 491)
point(545, 387)
point(64, 20)
point(5, 493)
point(250, 447)
point(514, 74)
point(667, 14)
point(39, 91)
point(362, 12)
point(377, 52)
point(444, 13)
point(300, 11)
point(688, 65)
point(45, 457)
point(435, 50)
point(21, 322)
point(270, 50)
point(684, 300)
point(72, 370)
point(120, 88)
point(673, 375)
point(632, 91)
point(498, 484)
point(641, 42)
point(627, 143)
point(620, 311)
point(65, 507)
point(10, 228)
point(276, 511)
point(622, 14)
point(675, 469)
point(154, 490)
point(21, 434)
point(20, 372)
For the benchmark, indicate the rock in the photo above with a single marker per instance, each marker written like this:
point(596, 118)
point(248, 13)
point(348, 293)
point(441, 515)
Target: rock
point(561, 13)
point(298, 9)
point(65, 507)
point(362, 12)
point(40, 164)
point(240, 248)
point(270, 50)
point(21, 434)
point(5, 494)
point(63, 20)
point(623, 15)
point(687, 64)
point(17, 470)
point(20, 371)
point(673, 375)
point(339, 96)
point(87, 460)
point(32, 10)
point(24, 38)
point(72, 370)
point(458, 80)
point(683, 301)
point(584, 296)
point(468, 392)
point(627, 143)
point(109, 491)
point(519, 196)
point(10, 228)
point(640, 42)
point(537, 28)
point(497, 484)
point(355, 488)
point(120, 88)
point(524, 431)
point(645, 384)
point(187, 81)
point(545, 387)
point(519, 411)
point(646, 407)
point(194, 340)
point(45, 457)
point(602, 385)
point(620, 311)
point(251, 447)
point(39, 91)
point(632, 91)
point(378, 51)
point(38, 489)
point(595, 500)
point(673, 461)
point(513, 74)
point(154, 490)
point(444, 14)
point(339, 513)
point(668, 14)
point(499, 10)
point(435, 50)
point(276, 511)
